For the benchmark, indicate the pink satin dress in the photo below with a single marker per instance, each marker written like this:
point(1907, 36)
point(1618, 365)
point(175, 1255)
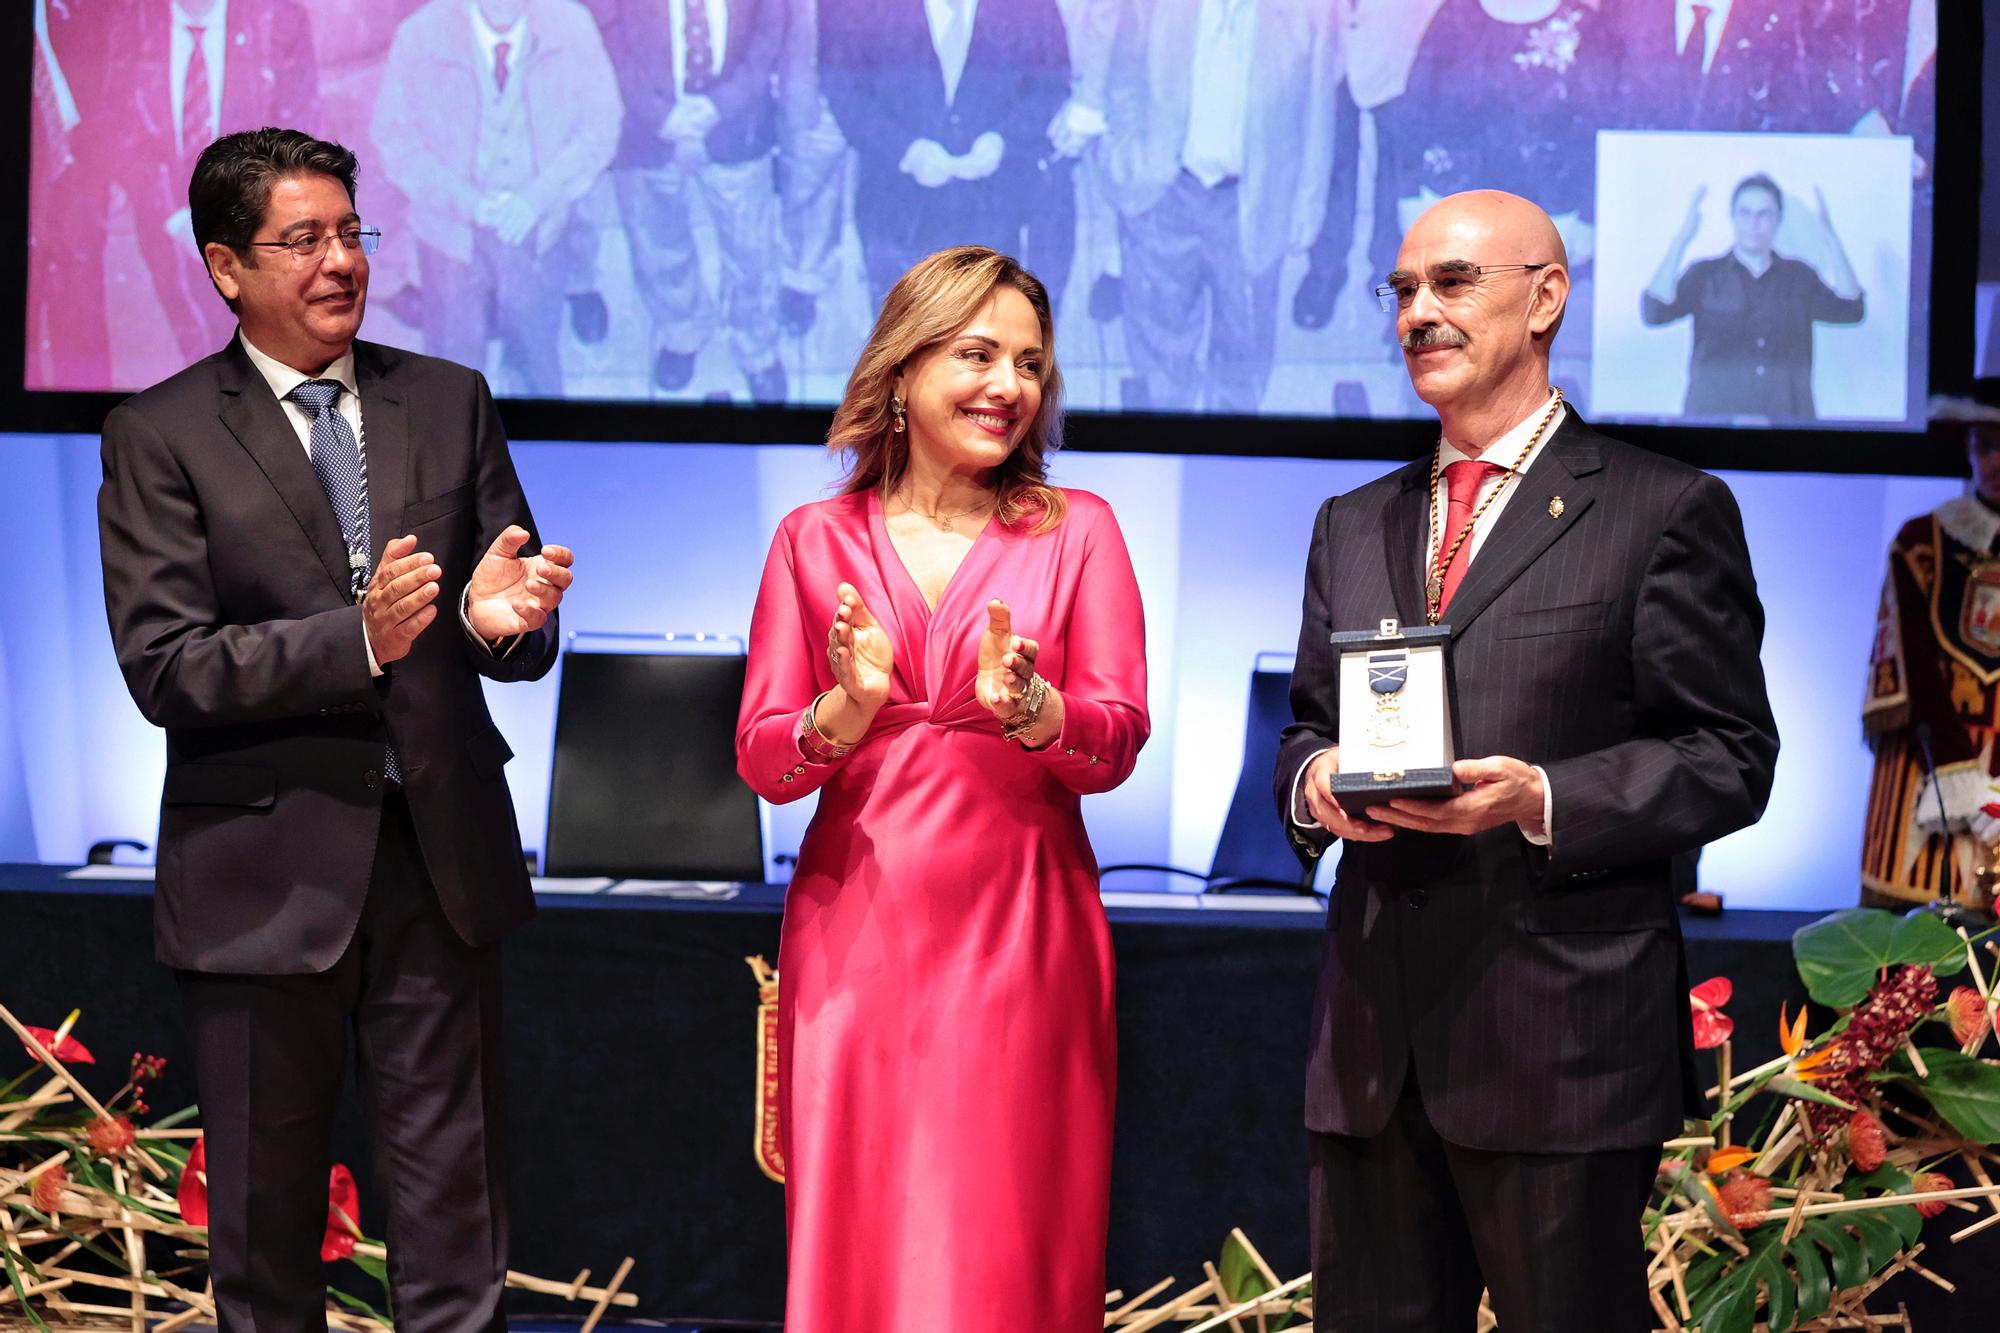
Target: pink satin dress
point(947, 1049)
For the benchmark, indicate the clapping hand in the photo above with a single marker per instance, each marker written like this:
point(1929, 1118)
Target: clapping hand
point(513, 594)
point(858, 650)
point(400, 601)
point(1006, 663)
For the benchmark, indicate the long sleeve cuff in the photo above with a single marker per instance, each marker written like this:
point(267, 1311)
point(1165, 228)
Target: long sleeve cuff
point(500, 651)
point(1548, 833)
point(1301, 813)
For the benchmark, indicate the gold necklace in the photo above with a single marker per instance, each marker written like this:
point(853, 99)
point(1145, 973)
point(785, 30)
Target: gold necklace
point(1434, 585)
point(943, 522)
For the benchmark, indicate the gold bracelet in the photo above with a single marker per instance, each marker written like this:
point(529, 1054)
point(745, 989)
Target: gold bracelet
point(816, 745)
point(1032, 700)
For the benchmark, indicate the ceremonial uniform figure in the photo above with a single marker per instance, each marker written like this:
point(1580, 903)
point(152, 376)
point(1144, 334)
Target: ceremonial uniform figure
point(1933, 685)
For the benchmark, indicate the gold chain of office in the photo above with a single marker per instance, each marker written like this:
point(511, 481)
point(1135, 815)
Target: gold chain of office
point(1434, 585)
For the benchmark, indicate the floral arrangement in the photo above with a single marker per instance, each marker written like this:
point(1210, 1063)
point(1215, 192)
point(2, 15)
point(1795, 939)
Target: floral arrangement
point(1794, 1224)
point(1797, 1223)
point(99, 1206)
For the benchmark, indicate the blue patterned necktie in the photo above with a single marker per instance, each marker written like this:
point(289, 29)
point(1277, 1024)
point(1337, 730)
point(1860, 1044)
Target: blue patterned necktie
point(336, 456)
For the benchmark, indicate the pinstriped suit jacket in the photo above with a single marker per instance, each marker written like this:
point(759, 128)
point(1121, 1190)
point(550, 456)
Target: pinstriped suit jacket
point(1541, 993)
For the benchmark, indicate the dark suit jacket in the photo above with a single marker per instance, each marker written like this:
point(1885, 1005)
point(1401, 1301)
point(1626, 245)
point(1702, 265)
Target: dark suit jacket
point(1540, 993)
point(638, 36)
point(881, 76)
point(225, 578)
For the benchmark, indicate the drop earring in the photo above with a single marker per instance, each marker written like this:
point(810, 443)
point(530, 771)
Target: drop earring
point(896, 410)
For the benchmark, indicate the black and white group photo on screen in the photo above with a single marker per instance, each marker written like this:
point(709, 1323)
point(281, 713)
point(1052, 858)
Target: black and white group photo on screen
point(672, 201)
point(1752, 280)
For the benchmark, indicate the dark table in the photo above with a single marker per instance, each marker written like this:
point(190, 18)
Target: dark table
point(630, 1025)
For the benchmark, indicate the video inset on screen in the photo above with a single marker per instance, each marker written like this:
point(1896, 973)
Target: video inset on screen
point(705, 200)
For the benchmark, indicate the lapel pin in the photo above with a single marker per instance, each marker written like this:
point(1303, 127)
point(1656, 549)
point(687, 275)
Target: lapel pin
point(1556, 507)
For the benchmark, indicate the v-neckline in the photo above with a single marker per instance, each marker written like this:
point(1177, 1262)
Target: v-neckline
point(881, 521)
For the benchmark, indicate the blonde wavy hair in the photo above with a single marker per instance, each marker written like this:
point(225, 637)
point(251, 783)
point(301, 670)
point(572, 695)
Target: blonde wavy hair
point(930, 303)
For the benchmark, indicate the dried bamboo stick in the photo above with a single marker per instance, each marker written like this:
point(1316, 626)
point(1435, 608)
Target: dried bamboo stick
point(604, 1301)
point(21, 1112)
point(1231, 1315)
point(1885, 1201)
point(1690, 1141)
point(1113, 1316)
point(1222, 1293)
point(1171, 1310)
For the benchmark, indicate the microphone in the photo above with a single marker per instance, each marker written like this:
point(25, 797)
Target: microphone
point(1922, 732)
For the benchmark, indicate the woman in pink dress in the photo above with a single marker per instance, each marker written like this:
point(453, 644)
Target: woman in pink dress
point(952, 653)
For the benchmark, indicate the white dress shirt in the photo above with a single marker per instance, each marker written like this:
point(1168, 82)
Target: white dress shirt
point(1718, 15)
point(283, 379)
point(1225, 49)
point(488, 38)
point(718, 37)
point(1503, 452)
point(951, 38)
point(214, 27)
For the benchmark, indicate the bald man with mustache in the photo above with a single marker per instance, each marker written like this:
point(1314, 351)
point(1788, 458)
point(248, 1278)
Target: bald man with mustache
point(1501, 1038)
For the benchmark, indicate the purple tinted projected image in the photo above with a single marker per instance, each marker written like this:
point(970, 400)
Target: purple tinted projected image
point(704, 200)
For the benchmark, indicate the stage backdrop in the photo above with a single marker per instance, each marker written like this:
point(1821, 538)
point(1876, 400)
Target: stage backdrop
point(674, 539)
point(1211, 196)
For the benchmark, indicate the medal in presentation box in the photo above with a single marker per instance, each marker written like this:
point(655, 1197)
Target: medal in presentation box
point(1395, 716)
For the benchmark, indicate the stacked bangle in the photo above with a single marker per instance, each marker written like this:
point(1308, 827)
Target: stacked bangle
point(1032, 700)
point(814, 744)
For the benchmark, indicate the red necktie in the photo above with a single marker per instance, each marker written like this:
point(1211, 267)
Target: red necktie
point(500, 50)
point(195, 124)
point(1462, 481)
point(1696, 50)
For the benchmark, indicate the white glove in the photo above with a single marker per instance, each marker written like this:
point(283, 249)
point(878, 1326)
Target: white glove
point(1981, 824)
point(1964, 790)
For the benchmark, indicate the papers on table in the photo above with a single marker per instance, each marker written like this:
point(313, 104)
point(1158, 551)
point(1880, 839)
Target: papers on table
point(110, 872)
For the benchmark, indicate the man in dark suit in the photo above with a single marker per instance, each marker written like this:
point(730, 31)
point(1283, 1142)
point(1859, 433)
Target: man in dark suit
point(1501, 1037)
point(338, 850)
point(947, 104)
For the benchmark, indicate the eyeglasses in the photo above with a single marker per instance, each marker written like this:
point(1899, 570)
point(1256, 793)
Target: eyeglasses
point(307, 247)
point(1452, 285)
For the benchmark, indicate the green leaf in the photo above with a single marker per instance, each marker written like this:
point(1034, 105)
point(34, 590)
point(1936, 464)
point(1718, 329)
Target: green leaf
point(20, 1290)
point(1881, 1240)
point(1781, 1293)
point(1240, 1279)
point(1885, 1178)
point(1806, 1092)
point(1966, 1092)
point(1909, 1223)
point(1850, 1266)
point(1839, 956)
point(1815, 1291)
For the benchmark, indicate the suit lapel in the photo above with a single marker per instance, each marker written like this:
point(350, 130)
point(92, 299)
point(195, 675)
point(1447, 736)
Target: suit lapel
point(1532, 521)
point(1405, 522)
point(259, 424)
point(385, 422)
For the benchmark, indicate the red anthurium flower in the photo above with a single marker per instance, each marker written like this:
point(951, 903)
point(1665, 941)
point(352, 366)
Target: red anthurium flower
point(1866, 1143)
point(193, 1192)
point(343, 1207)
point(48, 1189)
point(1930, 1182)
point(1711, 1026)
point(110, 1137)
point(1969, 1018)
point(69, 1050)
